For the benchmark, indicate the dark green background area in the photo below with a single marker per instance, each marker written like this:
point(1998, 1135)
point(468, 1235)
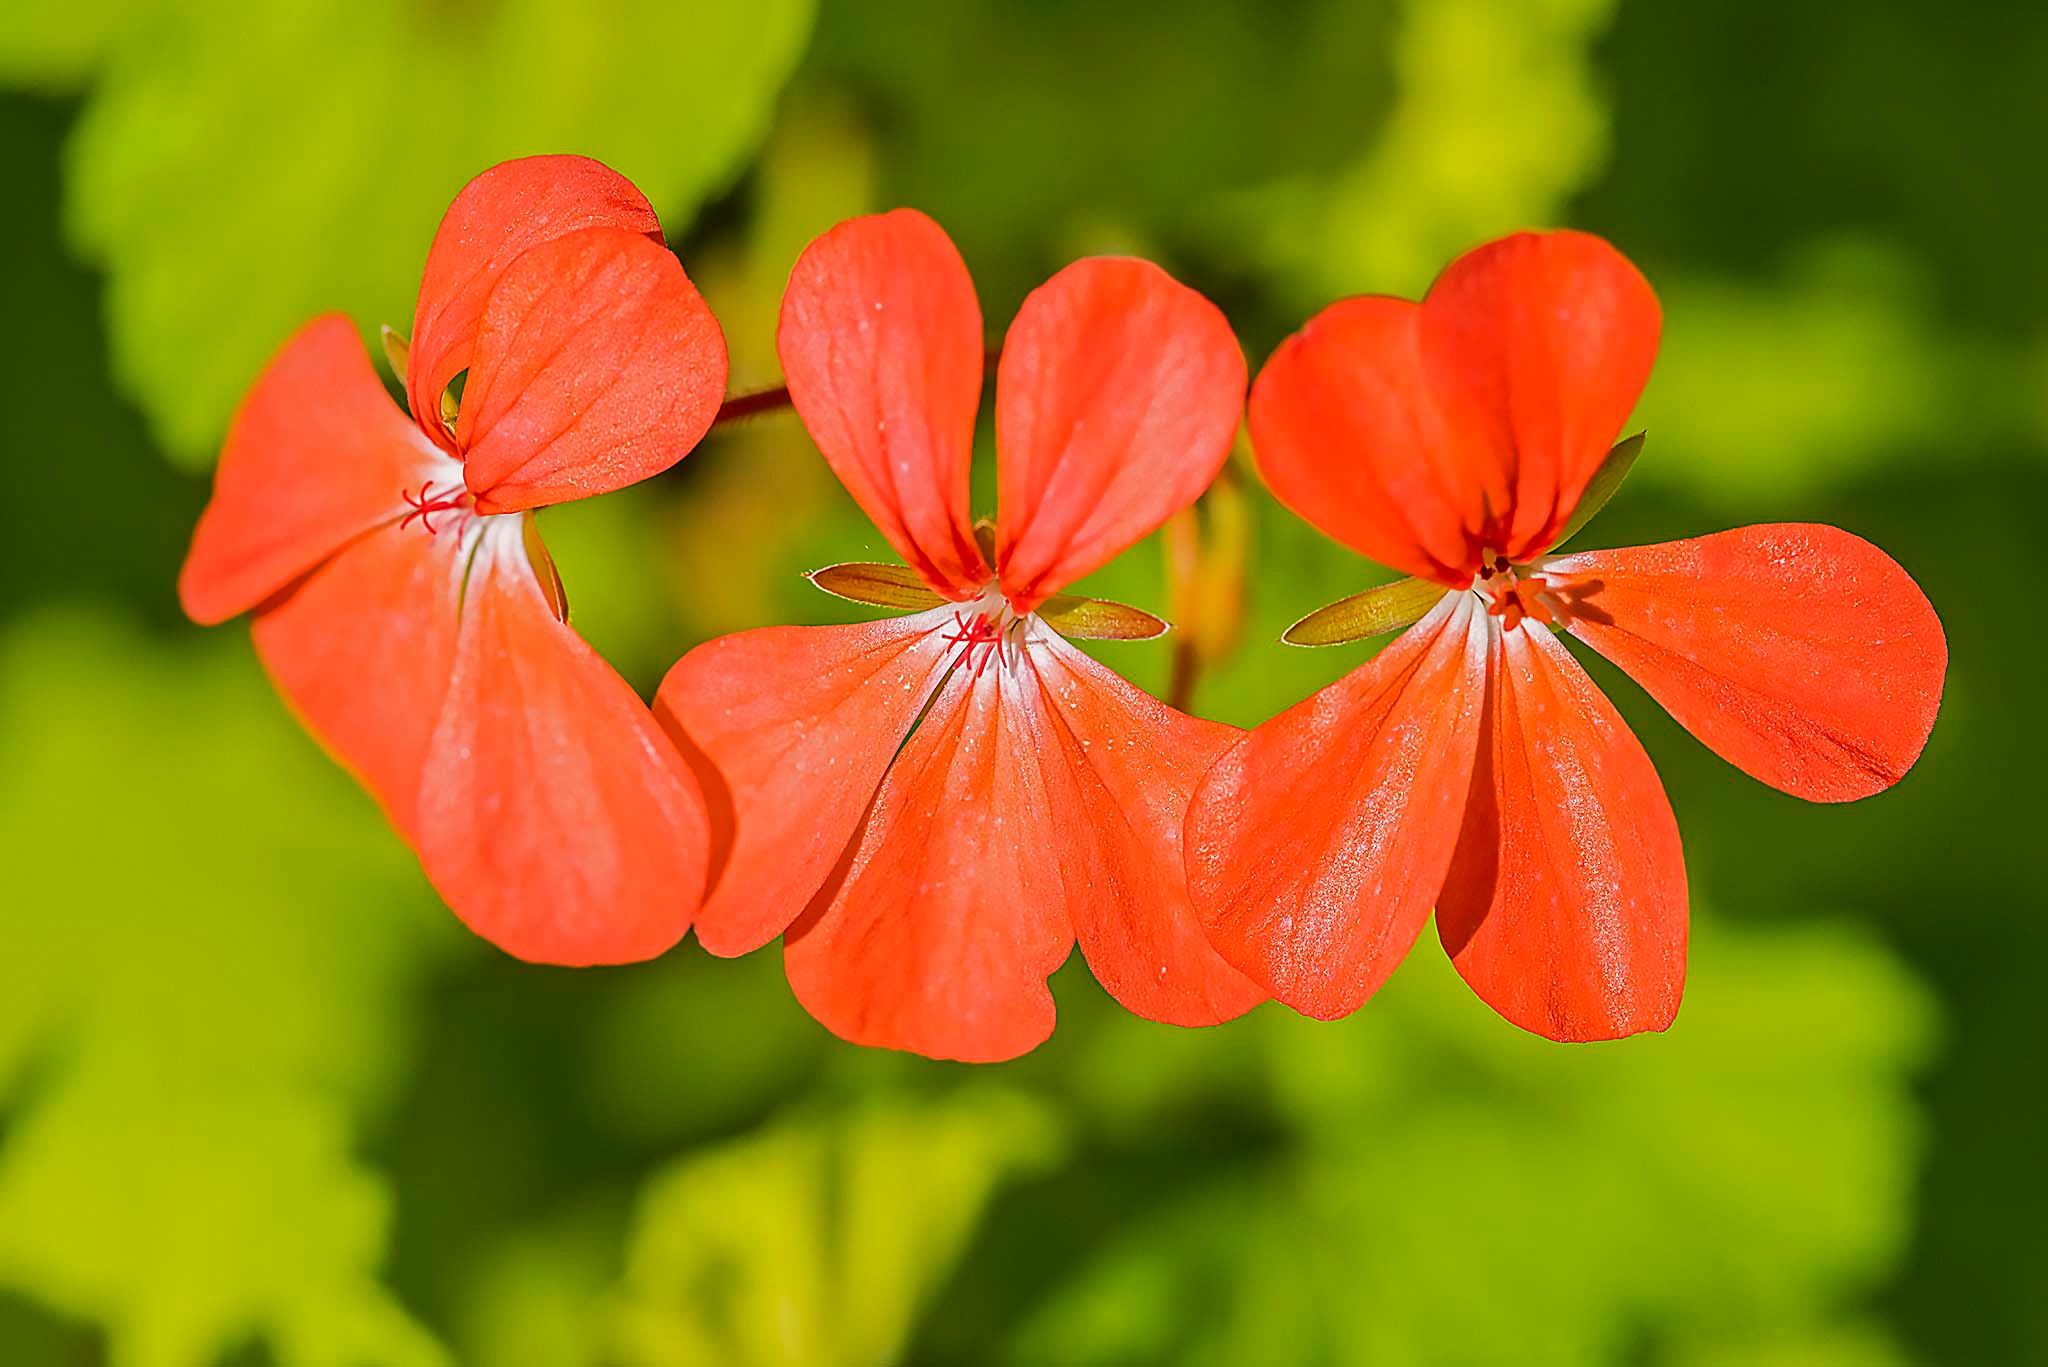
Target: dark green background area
point(1834, 1157)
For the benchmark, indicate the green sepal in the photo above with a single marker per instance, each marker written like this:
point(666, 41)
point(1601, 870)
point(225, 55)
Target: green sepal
point(1098, 619)
point(877, 586)
point(1372, 613)
point(397, 352)
point(1601, 487)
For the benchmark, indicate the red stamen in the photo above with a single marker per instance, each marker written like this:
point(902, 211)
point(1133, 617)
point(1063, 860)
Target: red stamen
point(425, 503)
point(981, 633)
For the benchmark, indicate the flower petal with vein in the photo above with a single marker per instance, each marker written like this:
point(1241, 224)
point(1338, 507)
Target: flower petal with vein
point(403, 601)
point(933, 808)
point(1472, 766)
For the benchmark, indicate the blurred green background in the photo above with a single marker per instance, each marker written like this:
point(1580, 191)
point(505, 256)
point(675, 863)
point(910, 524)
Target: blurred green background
point(262, 1102)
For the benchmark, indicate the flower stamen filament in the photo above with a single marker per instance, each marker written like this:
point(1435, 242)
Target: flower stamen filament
point(984, 630)
point(424, 503)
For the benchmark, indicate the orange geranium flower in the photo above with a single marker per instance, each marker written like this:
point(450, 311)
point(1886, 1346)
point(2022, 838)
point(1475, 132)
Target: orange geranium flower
point(404, 602)
point(1472, 765)
point(935, 806)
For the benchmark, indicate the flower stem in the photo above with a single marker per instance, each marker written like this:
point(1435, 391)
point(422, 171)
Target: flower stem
point(742, 406)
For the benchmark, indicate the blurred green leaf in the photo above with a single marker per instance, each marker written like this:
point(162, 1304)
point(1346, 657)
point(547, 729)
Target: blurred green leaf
point(670, 1065)
point(1769, 391)
point(1734, 1182)
point(50, 46)
point(243, 166)
point(206, 990)
point(1496, 119)
point(1013, 124)
point(1848, 1344)
point(817, 1241)
point(544, 1296)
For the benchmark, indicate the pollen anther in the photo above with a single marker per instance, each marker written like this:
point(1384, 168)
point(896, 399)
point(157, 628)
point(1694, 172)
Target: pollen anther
point(1512, 597)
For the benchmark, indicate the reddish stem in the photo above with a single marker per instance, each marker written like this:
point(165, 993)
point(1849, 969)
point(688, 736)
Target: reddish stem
point(741, 406)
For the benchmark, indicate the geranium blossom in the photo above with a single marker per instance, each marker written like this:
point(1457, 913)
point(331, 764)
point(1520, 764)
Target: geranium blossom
point(935, 806)
point(404, 602)
point(1472, 765)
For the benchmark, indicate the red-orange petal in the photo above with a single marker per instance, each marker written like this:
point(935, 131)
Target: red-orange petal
point(596, 364)
point(1424, 435)
point(363, 648)
point(510, 208)
point(880, 341)
point(792, 729)
point(948, 915)
point(554, 816)
point(1118, 395)
point(1536, 347)
point(1565, 908)
point(317, 455)
point(1318, 843)
point(1346, 434)
point(1118, 807)
point(1800, 654)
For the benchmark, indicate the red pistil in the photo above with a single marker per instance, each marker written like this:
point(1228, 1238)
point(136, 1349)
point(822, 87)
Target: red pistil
point(980, 632)
point(425, 503)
